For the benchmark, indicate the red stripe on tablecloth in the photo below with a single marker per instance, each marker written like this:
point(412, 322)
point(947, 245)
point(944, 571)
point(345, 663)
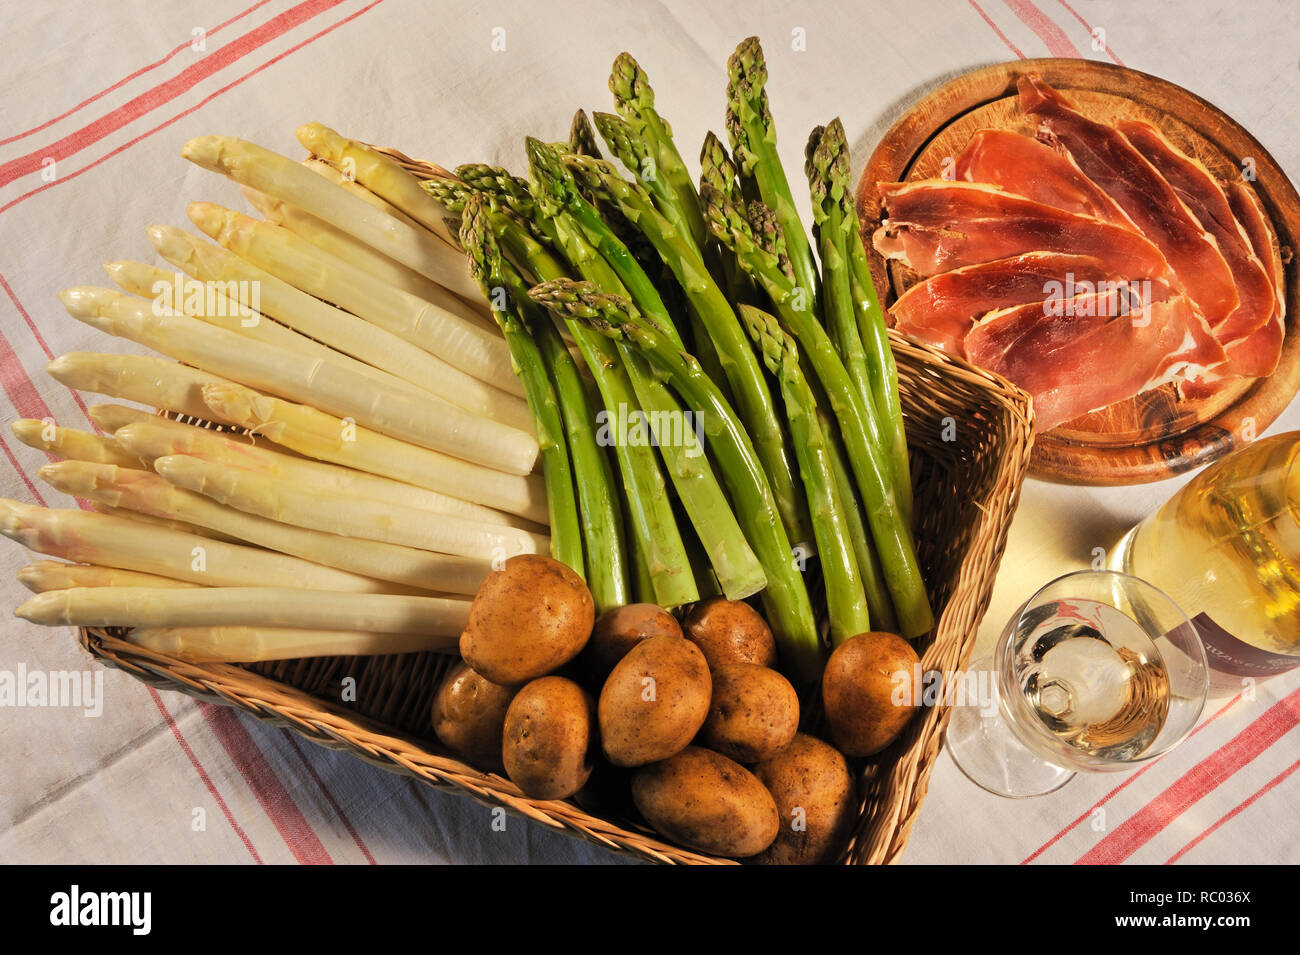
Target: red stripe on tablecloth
point(165, 92)
point(138, 73)
point(203, 775)
point(1106, 798)
point(329, 796)
point(18, 468)
point(284, 813)
point(1058, 44)
point(1235, 812)
point(40, 339)
point(1088, 27)
point(985, 17)
point(184, 113)
point(1139, 829)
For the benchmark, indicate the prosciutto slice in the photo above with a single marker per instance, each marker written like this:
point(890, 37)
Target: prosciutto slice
point(1111, 161)
point(1036, 171)
point(942, 309)
point(934, 225)
point(1206, 199)
point(1263, 348)
point(1093, 356)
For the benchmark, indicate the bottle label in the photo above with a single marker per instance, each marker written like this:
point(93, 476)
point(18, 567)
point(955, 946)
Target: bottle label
point(1233, 656)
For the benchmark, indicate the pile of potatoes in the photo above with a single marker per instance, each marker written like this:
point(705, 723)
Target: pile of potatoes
point(689, 719)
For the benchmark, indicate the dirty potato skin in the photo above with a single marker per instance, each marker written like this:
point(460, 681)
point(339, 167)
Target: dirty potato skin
point(617, 631)
point(858, 688)
point(549, 738)
point(469, 714)
point(728, 631)
point(753, 714)
point(811, 776)
point(527, 619)
point(654, 702)
point(707, 802)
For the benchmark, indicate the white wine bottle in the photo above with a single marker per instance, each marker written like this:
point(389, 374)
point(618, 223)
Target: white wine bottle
point(1226, 548)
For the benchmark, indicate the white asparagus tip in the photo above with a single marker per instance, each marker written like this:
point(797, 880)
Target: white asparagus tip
point(86, 302)
point(206, 151)
point(28, 431)
point(210, 218)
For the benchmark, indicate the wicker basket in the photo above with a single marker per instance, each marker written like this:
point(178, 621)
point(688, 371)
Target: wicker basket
point(970, 437)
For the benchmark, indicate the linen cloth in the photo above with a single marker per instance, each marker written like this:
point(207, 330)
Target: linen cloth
point(97, 100)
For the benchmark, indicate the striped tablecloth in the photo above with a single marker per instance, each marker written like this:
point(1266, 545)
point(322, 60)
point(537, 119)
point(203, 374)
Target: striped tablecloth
point(98, 99)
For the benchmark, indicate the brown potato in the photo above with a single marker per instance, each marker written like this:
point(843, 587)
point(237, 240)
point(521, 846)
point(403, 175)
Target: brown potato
point(617, 631)
point(753, 714)
point(813, 790)
point(707, 802)
point(654, 701)
point(863, 678)
point(728, 631)
point(549, 738)
point(469, 713)
point(527, 619)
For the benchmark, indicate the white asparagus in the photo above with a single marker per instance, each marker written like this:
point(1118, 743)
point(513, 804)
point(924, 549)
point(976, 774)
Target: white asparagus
point(336, 176)
point(72, 444)
point(110, 418)
point(154, 495)
point(269, 172)
point(143, 378)
point(333, 513)
point(171, 525)
point(324, 437)
point(90, 538)
point(381, 174)
point(338, 243)
point(461, 344)
point(159, 437)
point(259, 644)
point(332, 326)
point(42, 575)
point(330, 386)
point(246, 607)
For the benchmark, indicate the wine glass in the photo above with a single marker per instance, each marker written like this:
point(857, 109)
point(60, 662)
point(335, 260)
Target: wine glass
point(1097, 671)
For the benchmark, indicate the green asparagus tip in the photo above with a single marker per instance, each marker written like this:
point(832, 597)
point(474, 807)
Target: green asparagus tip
point(630, 85)
point(582, 138)
point(477, 241)
point(551, 181)
point(585, 302)
point(448, 193)
point(769, 236)
point(774, 345)
point(626, 146)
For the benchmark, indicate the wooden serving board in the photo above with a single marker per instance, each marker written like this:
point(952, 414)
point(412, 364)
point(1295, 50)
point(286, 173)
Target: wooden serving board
point(1156, 434)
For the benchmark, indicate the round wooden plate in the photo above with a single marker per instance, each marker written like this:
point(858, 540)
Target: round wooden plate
point(1156, 434)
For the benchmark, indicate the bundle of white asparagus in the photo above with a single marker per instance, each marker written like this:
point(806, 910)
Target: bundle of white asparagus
point(376, 456)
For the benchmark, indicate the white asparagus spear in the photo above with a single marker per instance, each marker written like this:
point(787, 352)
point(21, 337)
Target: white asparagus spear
point(246, 607)
point(381, 174)
point(42, 575)
point(110, 417)
point(460, 343)
point(144, 378)
point(153, 495)
point(72, 444)
point(90, 538)
point(338, 243)
point(259, 644)
point(269, 172)
point(324, 437)
point(334, 513)
point(333, 326)
point(336, 176)
point(330, 386)
point(171, 525)
point(158, 437)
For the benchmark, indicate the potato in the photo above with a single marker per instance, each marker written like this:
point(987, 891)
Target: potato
point(728, 631)
point(707, 802)
point(863, 678)
point(753, 714)
point(813, 790)
point(654, 701)
point(549, 738)
point(468, 716)
point(617, 631)
point(527, 619)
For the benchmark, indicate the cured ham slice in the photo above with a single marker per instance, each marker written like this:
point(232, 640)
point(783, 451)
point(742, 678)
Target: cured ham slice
point(1036, 171)
point(1094, 356)
point(942, 309)
point(1263, 348)
point(1111, 161)
point(934, 225)
point(1206, 199)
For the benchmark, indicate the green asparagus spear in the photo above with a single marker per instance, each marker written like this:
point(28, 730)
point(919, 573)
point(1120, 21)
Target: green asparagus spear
point(890, 530)
point(582, 138)
point(846, 601)
point(753, 142)
point(790, 611)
